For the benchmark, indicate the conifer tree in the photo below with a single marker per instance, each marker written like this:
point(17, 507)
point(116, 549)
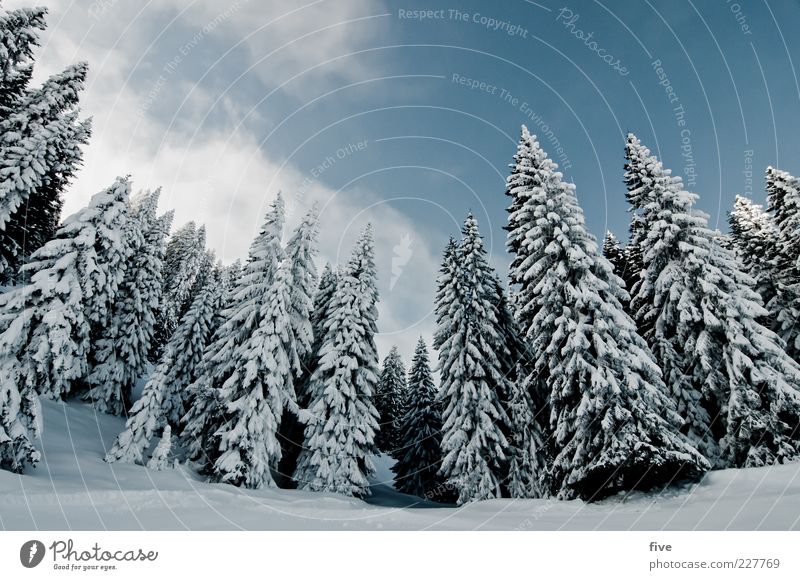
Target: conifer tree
point(389, 399)
point(342, 419)
point(613, 252)
point(736, 388)
point(196, 393)
point(419, 452)
point(320, 313)
point(627, 263)
point(309, 306)
point(145, 418)
point(613, 425)
point(783, 197)
point(184, 352)
point(475, 423)
point(240, 318)
point(46, 325)
point(40, 140)
point(160, 459)
point(258, 390)
point(526, 432)
point(185, 260)
point(300, 250)
point(19, 34)
point(164, 397)
point(753, 239)
point(527, 471)
point(119, 356)
point(446, 282)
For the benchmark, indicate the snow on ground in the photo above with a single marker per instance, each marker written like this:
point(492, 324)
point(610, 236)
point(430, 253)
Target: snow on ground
point(74, 489)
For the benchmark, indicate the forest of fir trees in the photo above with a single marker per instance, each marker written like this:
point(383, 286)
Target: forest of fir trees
point(585, 372)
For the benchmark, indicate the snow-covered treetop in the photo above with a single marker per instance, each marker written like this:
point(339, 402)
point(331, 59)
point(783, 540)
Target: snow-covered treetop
point(648, 181)
point(18, 36)
point(362, 260)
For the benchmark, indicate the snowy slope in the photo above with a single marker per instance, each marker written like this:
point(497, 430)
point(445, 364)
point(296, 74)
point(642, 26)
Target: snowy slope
point(74, 489)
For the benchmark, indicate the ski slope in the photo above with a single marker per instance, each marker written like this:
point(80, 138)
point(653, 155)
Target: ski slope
point(74, 489)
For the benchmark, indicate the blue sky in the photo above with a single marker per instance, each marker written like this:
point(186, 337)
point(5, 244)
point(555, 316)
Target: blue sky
point(409, 119)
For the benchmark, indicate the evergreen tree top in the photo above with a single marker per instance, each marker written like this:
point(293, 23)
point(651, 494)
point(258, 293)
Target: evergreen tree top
point(610, 240)
point(307, 230)
point(649, 182)
point(393, 364)
point(264, 244)
point(420, 363)
point(99, 204)
point(783, 194)
point(187, 231)
point(362, 259)
point(145, 203)
point(59, 92)
point(18, 36)
point(749, 219)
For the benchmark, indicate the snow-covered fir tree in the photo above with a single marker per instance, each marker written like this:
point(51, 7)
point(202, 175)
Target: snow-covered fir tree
point(445, 282)
point(613, 426)
point(754, 240)
point(184, 352)
point(419, 451)
point(239, 319)
point(783, 204)
point(164, 396)
point(734, 384)
point(300, 250)
point(73, 283)
point(47, 324)
point(475, 423)
point(119, 356)
point(184, 260)
point(627, 262)
point(145, 418)
point(160, 459)
point(528, 464)
point(292, 432)
point(323, 298)
point(19, 35)
point(612, 251)
point(258, 390)
point(390, 400)
point(528, 456)
point(514, 355)
point(521, 179)
point(342, 419)
point(40, 149)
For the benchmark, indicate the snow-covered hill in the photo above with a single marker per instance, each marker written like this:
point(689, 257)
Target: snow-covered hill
point(74, 489)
